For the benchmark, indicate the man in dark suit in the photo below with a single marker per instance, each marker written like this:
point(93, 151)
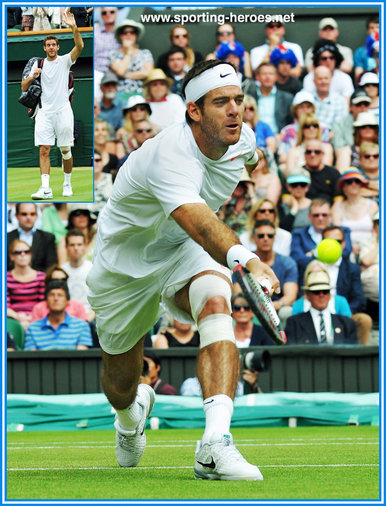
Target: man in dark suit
point(42, 243)
point(319, 325)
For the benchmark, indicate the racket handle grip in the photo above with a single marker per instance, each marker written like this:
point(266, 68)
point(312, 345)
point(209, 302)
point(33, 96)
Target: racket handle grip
point(266, 285)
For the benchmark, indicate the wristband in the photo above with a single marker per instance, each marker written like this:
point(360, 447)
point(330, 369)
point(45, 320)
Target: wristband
point(238, 254)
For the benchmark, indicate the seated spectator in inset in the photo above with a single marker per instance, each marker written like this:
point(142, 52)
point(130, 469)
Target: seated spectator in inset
point(80, 219)
point(179, 36)
point(328, 30)
point(318, 325)
point(41, 21)
point(329, 106)
point(131, 64)
point(266, 209)
point(369, 165)
point(151, 374)
point(284, 267)
point(234, 212)
point(345, 279)
point(225, 34)
point(325, 53)
point(324, 178)
point(103, 186)
point(58, 330)
point(25, 285)
point(275, 32)
point(110, 106)
point(343, 129)
point(355, 212)
point(246, 332)
point(285, 60)
point(232, 52)
point(77, 268)
point(73, 308)
point(363, 62)
point(294, 207)
point(369, 262)
point(265, 138)
point(337, 303)
point(309, 129)
point(370, 83)
point(366, 129)
point(177, 335)
point(27, 20)
point(42, 243)
point(166, 108)
point(177, 63)
point(102, 135)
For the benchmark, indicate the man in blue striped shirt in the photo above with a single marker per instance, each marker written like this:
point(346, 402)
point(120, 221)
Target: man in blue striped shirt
point(58, 330)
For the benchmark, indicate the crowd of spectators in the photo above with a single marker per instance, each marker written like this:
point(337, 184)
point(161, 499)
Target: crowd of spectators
point(33, 19)
point(315, 117)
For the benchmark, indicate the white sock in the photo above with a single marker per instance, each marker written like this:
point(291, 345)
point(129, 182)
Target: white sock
point(67, 178)
point(218, 413)
point(45, 180)
point(129, 417)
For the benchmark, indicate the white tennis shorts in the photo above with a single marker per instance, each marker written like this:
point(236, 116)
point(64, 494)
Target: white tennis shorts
point(59, 125)
point(126, 307)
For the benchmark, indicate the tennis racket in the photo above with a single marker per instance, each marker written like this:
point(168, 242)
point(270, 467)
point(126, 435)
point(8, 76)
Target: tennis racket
point(261, 304)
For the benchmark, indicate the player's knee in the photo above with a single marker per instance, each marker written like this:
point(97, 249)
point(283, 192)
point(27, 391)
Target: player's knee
point(214, 328)
point(210, 292)
point(66, 152)
point(118, 383)
point(44, 151)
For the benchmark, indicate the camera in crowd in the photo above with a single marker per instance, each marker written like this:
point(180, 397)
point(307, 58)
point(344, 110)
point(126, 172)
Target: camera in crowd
point(257, 361)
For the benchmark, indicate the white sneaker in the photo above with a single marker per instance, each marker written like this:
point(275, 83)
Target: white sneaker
point(219, 459)
point(67, 190)
point(42, 194)
point(130, 445)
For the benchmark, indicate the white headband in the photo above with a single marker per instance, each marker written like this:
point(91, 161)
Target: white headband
point(216, 77)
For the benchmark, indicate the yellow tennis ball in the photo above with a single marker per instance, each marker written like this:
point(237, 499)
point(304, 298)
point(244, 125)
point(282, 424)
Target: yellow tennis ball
point(329, 251)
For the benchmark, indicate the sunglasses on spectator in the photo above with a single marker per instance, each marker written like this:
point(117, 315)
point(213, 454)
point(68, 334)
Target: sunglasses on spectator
point(28, 214)
point(141, 130)
point(274, 25)
point(313, 151)
point(320, 292)
point(97, 159)
point(108, 12)
point(80, 212)
point(181, 35)
point(371, 155)
point(302, 185)
point(271, 211)
point(367, 126)
point(220, 34)
point(261, 236)
point(362, 104)
point(319, 215)
point(129, 30)
point(239, 307)
point(18, 252)
point(309, 125)
point(138, 107)
point(249, 108)
point(353, 180)
point(325, 58)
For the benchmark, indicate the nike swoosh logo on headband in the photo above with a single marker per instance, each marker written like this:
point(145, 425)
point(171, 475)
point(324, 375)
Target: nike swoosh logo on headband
point(224, 75)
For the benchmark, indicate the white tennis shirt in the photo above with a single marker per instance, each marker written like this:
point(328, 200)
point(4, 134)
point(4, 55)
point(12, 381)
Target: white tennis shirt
point(136, 234)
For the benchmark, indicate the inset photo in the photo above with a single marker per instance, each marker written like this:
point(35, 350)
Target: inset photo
point(50, 104)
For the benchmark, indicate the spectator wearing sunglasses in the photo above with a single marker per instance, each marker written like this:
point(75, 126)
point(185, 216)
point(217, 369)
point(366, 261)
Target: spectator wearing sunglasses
point(142, 130)
point(284, 267)
point(369, 165)
point(275, 32)
point(355, 211)
point(25, 285)
point(326, 54)
point(369, 82)
point(318, 325)
point(345, 277)
point(246, 332)
point(294, 206)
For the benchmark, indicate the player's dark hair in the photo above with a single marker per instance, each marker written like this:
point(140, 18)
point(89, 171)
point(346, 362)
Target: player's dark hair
point(56, 284)
point(50, 37)
point(263, 223)
point(332, 227)
point(195, 71)
point(74, 232)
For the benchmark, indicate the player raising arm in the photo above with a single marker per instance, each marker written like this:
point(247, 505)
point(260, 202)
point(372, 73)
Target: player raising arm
point(160, 241)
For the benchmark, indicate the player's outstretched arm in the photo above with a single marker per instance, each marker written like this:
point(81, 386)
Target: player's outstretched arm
point(201, 223)
point(79, 45)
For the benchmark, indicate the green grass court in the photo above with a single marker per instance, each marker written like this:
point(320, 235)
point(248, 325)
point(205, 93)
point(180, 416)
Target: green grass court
point(22, 181)
point(300, 463)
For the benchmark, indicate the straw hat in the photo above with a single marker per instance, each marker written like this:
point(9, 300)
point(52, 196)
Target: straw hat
point(157, 75)
point(317, 280)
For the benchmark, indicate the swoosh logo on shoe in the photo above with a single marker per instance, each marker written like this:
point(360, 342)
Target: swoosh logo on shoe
point(211, 465)
point(224, 75)
point(208, 402)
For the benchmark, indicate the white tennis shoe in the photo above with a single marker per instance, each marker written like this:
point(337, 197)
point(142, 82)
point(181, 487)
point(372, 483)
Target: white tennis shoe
point(42, 194)
point(67, 190)
point(130, 445)
point(219, 459)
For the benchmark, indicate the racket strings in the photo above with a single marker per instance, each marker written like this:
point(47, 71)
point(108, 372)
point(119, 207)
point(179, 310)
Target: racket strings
point(267, 305)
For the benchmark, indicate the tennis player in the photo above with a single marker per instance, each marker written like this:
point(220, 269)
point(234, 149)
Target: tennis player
point(55, 118)
point(161, 246)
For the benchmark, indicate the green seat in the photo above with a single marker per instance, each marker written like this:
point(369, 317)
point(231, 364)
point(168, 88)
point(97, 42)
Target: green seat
point(16, 329)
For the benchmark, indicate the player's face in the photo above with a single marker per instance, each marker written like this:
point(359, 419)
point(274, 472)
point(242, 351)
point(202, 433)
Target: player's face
point(222, 116)
point(76, 247)
point(319, 300)
point(51, 48)
point(57, 300)
point(27, 216)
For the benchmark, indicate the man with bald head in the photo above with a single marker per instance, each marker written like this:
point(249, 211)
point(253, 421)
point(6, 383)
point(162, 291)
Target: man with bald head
point(329, 107)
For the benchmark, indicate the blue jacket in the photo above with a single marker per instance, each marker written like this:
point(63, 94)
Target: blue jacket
point(349, 285)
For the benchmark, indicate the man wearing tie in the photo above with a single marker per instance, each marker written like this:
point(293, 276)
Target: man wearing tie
point(319, 325)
